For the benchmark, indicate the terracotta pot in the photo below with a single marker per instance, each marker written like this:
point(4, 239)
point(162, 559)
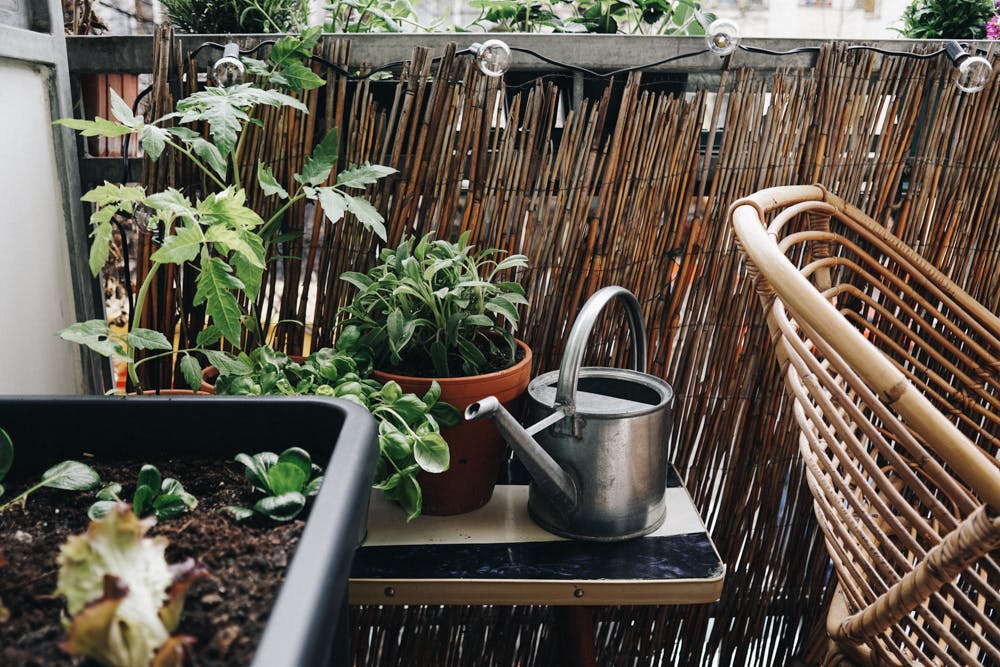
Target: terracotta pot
point(477, 449)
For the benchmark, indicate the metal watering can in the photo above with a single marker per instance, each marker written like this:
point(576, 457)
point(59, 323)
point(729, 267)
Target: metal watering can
point(599, 465)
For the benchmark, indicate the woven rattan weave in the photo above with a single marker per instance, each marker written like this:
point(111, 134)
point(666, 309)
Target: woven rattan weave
point(894, 377)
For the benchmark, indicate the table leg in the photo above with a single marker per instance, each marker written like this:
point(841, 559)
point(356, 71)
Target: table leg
point(577, 638)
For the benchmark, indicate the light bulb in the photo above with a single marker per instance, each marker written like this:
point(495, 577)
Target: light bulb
point(973, 74)
point(492, 57)
point(723, 36)
point(228, 70)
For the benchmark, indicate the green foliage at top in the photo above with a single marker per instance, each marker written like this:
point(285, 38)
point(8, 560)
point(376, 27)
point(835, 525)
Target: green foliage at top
point(947, 19)
point(409, 425)
point(67, 476)
point(214, 17)
point(360, 16)
point(217, 233)
point(435, 308)
point(285, 480)
point(648, 17)
point(162, 497)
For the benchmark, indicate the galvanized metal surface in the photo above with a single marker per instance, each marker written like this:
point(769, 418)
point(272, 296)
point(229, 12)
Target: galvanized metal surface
point(599, 466)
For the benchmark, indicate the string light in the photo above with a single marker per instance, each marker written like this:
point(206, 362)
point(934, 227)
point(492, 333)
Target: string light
point(722, 36)
point(228, 70)
point(492, 57)
point(974, 72)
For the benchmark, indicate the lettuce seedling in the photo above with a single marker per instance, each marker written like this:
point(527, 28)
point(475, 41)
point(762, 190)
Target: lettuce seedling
point(68, 475)
point(163, 497)
point(123, 598)
point(285, 481)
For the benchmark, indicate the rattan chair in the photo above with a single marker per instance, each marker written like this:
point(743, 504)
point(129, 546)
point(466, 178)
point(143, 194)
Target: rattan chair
point(894, 377)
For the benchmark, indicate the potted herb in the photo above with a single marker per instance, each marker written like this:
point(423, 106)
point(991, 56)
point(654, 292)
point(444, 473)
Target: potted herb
point(215, 230)
point(436, 312)
point(409, 425)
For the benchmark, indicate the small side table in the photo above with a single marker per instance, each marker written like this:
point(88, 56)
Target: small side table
point(498, 556)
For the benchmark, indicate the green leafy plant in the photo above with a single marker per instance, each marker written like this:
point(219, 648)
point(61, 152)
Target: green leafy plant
point(409, 426)
point(436, 308)
point(216, 17)
point(659, 17)
point(163, 497)
point(360, 16)
point(227, 241)
point(947, 19)
point(123, 598)
point(68, 475)
point(286, 480)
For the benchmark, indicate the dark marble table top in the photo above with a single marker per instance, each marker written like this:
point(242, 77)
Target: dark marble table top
point(498, 555)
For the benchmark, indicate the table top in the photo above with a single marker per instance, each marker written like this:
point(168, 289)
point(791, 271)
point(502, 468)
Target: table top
point(498, 555)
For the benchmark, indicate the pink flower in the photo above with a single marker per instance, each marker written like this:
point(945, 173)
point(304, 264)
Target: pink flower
point(993, 27)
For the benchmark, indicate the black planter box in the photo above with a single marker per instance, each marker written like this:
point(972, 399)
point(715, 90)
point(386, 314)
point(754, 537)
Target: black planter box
point(308, 621)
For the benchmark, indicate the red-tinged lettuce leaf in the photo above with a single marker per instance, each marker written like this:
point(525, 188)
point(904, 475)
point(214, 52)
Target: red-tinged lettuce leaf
point(185, 573)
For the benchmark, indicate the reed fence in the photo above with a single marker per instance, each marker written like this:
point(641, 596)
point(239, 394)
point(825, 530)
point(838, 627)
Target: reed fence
point(630, 186)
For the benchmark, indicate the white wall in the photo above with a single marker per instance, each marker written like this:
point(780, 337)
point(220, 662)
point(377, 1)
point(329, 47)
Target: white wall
point(845, 19)
point(36, 295)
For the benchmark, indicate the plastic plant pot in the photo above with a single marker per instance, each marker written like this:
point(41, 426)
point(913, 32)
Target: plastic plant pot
point(312, 602)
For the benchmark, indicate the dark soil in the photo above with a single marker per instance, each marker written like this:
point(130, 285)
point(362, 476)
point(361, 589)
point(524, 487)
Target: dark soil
point(225, 612)
point(420, 365)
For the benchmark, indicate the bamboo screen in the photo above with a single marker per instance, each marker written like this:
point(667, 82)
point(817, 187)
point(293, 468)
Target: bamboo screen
point(630, 189)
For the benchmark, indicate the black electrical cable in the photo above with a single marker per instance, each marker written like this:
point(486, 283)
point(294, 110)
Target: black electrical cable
point(589, 72)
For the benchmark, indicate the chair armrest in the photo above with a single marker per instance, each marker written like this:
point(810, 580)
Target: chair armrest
point(976, 536)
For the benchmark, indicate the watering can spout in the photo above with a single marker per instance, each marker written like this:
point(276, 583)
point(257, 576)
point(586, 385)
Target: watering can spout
point(555, 483)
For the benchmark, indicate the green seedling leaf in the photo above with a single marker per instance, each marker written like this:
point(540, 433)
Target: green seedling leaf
point(285, 477)
point(298, 457)
point(284, 507)
point(256, 468)
point(312, 488)
point(71, 476)
point(169, 506)
point(142, 501)
point(149, 475)
point(240, 513)
point(100, 509)
point(110, 492)
point(6, 454)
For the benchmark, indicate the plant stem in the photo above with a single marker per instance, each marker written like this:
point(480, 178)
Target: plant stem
point(140, 301)
point(268, 229)
point(198, 163)
point(20, 498)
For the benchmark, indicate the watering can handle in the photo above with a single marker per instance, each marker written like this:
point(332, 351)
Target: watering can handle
point(569, 368)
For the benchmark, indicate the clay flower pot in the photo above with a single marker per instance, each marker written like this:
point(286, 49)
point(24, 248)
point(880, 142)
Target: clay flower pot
point(477, 449)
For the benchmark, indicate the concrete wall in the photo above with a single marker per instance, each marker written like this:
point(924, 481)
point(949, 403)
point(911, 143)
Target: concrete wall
point(36, 293)
point(812, 19)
